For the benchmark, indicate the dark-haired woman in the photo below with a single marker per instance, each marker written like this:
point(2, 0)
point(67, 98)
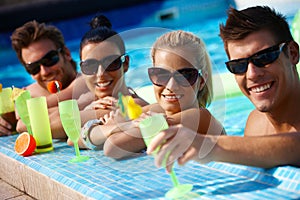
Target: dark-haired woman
point(103, 65)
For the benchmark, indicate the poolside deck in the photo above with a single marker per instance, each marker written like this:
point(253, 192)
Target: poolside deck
point(9, 192)
point(50, 176)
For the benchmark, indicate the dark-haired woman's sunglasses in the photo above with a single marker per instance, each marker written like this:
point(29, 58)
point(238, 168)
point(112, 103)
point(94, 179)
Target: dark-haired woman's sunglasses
point(185, 77)
point(48, 60)
point(260, 59)
point(109, 63)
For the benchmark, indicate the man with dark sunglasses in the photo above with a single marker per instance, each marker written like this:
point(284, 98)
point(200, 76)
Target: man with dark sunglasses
point(262, 56)
point(42, 51)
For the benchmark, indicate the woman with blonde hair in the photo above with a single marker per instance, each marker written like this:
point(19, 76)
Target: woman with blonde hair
point(182, 82)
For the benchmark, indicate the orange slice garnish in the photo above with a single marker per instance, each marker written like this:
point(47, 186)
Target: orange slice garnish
point(54, 86)
point(25, 144)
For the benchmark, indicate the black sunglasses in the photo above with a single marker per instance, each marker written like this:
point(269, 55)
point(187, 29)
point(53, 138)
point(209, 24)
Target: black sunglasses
point(109, 63)
point(260, 59)
point(48, 60)
point(185, 77)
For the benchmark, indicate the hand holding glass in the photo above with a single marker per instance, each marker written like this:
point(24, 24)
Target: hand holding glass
point(7, 109)
point(70, 119)
point(150, 127)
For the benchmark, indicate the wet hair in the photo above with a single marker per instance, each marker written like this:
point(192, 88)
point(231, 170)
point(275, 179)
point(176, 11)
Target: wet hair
point(240, 24)
point(34, 31)
point(182, 40)
point(101, 30)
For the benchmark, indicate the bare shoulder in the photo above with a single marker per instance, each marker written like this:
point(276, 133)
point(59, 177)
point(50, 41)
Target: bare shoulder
point(257, 124)
point(78, 87)
point(36, 90)
point(200, 120)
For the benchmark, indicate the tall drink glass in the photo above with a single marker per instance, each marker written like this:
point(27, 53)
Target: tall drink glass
point(40, 123)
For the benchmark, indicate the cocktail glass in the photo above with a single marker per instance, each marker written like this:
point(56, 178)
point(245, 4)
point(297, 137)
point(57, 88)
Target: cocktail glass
point(150, 127)
point(70, 119)
point(21, 107)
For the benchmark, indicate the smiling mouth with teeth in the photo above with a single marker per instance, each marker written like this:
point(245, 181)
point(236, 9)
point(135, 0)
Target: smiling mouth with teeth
point(103, 84)
point(261, 88)
point(172, 96)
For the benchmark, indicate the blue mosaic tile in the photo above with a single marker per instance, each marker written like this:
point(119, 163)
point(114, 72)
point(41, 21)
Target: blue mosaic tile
point(138, 178)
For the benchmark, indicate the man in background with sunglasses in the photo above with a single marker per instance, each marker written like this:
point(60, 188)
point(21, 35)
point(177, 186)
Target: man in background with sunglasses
point(262, 56)
point(42, 51)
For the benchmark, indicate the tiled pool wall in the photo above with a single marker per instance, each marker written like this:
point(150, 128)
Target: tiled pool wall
point(51, 176)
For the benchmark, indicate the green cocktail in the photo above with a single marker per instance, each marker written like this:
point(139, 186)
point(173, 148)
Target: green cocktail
point(70, 119)
point(150, 127)
point(21, 107)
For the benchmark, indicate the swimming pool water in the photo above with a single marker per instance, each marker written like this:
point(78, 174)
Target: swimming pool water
point(138, 43)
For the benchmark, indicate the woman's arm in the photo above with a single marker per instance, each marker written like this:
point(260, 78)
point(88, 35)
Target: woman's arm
point(260, 151)
point(207, 124)
point(73, 91)
point(124, 143)
point(130, 141)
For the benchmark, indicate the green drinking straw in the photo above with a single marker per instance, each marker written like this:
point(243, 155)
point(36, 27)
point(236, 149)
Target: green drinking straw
point(150, 127)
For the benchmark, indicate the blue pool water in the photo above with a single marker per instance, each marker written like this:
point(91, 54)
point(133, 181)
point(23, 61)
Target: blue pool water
point(139, 39)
